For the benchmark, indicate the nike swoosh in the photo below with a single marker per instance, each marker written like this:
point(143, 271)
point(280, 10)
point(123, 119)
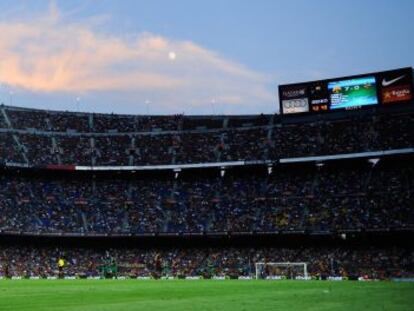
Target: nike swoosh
point(387, 83)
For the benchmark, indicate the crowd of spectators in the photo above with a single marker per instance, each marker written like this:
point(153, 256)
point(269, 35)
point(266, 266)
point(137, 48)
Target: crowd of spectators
point(56, 121)
point(368, 262)
point(48, 121)
point(125, 124)
point(86, 123)
point(289, 200)
point(89, 139)
point(10, 151)
point(313, 199)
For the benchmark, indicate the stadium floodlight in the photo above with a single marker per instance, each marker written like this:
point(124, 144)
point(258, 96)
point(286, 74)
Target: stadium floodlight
point(147, 104)
point(11, 93)
point(77, 101)
point(281, 270)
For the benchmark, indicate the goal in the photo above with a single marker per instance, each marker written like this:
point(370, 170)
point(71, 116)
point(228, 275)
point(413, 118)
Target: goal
point(281, 270)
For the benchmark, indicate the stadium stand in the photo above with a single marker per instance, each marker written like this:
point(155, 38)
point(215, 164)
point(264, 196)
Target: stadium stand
point(89, 139)
point(372, 263)
point(250, 181)
point(301, 199)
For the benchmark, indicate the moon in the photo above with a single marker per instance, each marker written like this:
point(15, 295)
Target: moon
point(172, 55)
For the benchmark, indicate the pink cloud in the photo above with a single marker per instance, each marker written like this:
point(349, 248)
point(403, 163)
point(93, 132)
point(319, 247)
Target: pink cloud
point(48, 56)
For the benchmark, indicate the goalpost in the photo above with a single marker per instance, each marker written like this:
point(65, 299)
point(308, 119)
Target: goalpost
point(279, 270)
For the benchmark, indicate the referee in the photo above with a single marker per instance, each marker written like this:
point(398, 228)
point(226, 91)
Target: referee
point(61, 264)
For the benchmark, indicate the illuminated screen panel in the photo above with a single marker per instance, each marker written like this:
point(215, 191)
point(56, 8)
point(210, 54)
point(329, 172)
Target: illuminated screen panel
point(319, 97)
point(297, 105)
point(353, 93)
point(400, 93)
point(396, 86)
point(294, 98)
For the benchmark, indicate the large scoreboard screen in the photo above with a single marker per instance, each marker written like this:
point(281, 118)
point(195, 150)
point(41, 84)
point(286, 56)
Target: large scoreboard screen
point(348, 94)
point(354, 92)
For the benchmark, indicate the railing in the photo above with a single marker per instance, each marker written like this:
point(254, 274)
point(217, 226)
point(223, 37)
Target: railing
point(222, 165)
point(293, 232)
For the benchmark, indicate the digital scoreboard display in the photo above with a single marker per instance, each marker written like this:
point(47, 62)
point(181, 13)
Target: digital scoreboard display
point(353, 93)
point(319, 97)
point(295, 99)
point(348, 93)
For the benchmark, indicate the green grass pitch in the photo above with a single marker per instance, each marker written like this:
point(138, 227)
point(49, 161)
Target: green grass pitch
point(125, 295)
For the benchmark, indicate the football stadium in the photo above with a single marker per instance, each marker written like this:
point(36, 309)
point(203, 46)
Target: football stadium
point(309, 207)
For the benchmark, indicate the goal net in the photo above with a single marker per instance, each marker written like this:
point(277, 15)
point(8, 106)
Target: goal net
point(281, 270)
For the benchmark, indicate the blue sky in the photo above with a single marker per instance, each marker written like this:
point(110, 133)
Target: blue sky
point(192, 57)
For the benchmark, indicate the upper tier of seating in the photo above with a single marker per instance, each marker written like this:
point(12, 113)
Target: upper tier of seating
point(39, 138)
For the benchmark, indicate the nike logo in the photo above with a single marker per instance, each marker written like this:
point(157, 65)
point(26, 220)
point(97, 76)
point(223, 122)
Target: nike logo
point(387, 83)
